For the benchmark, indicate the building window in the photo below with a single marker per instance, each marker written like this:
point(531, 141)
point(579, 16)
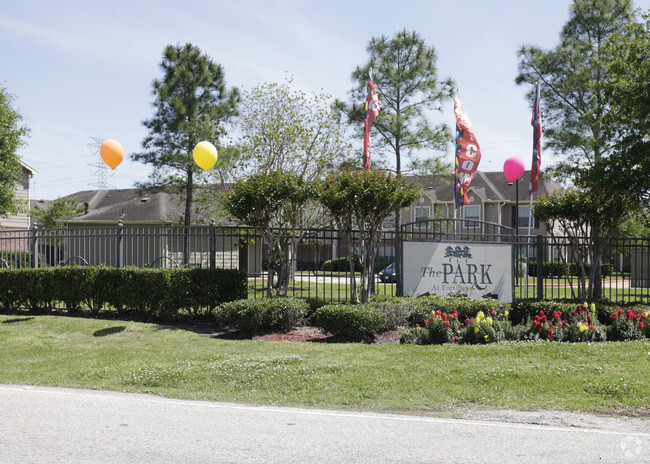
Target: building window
point(472, 212)
point(524, 211)
point(422, 213)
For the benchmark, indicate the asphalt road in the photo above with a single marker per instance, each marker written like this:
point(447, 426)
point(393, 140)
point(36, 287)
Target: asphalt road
point(52, 425)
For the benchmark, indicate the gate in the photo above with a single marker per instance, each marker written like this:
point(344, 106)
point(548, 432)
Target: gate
point(457, 256)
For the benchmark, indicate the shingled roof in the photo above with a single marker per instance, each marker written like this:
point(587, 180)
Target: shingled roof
point(131, 206)
point(490, 186)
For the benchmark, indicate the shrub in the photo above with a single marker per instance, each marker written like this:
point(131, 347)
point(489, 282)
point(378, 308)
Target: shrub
point(262, 315)
point(72, 284)
point(35, 288)
point(351, 322)
point(628, 325)
point(482, 330)
point(440, 328)
point(579, 324)
point(397, 315)
point(464, 307)
point(341, 264)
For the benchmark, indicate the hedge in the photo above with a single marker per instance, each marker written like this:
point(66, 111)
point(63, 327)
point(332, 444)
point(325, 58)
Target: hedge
point(556, 269)
point(262, 315)
point(160, 293)
point(349, 321)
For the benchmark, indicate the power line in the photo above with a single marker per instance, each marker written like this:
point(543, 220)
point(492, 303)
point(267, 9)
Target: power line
point(101, 170)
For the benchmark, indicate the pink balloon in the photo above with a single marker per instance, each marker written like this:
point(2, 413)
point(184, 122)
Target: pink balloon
point(513, 168)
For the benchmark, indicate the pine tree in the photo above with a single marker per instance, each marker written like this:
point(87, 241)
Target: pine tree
point(12, 135)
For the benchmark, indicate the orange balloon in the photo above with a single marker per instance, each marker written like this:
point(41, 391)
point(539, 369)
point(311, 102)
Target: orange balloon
point(112, 153)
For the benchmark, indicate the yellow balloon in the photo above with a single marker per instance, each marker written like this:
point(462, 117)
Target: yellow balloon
point(111, 153)
point(205, 155)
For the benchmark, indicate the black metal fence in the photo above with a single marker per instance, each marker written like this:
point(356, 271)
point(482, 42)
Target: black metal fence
point(545, 267)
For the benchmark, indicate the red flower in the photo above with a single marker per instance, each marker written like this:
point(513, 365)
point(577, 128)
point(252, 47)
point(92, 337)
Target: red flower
point(641, 325)
point(593, 327)
point(444, 317)
point(426, 321)
point(557, 315)
point(417, 326)
point(454, 315)
point(468, 321)
point(494, 313)
point(588, 318)
point(446, 323)
point(455, 338)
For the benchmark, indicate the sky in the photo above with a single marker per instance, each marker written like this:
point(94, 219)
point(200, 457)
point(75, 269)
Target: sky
point(82, 71)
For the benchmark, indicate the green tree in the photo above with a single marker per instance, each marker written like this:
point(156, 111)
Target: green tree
point(12, 135)
point(287, 129)
point(627, 123)
point(576, 212)
point(573, 101)
point(274, 203)
point(59, 208)
point(192, 104)
point(406, 78)
point(362, 200)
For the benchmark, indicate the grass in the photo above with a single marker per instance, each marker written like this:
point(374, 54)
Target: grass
point(164, 360)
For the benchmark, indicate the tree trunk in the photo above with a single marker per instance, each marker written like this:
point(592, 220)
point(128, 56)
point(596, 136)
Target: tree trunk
point(399, 291)
point(595, 275)
point(187, 220)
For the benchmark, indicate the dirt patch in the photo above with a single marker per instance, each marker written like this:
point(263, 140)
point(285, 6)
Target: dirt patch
point(314, 334)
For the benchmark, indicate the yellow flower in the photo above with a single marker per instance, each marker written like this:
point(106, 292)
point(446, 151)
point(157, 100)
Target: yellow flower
point(593, 307)
point(480, 316)
point(489, 321)
point(506, 313)
point(583, 327)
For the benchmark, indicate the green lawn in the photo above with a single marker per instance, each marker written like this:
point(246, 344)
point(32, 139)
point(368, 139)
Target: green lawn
point(136, 357)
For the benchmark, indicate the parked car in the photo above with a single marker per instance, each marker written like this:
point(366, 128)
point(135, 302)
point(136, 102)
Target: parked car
point(388, 274)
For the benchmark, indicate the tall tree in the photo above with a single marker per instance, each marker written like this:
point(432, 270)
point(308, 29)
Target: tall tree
point(284, 128)
point(406, 78)
point(572, 75)
point(192, 104)
point(12, 135)
point(627, 96)
point(572, 101)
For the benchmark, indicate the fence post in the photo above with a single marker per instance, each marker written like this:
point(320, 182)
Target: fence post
point(540, 267)
point(33, 245)
point(213, 250)
point(119, 245)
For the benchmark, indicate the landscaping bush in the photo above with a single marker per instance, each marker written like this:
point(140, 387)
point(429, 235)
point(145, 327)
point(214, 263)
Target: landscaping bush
point(162, 293)
point(351, 322)
point(341, 264)
point(482, 329)
point(464, 307)
point(9, 294)
point(253, 316)
point(556, 269)
point(439, 328)
point(72, 285)
point(35, 288)
point(628, 324)
point(579, 324)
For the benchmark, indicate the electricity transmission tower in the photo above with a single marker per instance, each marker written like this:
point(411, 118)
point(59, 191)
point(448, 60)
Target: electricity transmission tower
point(100, 169)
